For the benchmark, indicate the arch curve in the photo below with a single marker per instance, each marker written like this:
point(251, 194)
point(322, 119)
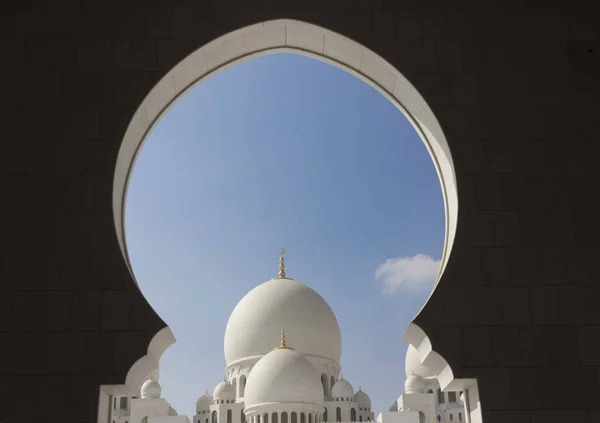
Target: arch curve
point(146, 367)
point(442, 370)
point(301, 38)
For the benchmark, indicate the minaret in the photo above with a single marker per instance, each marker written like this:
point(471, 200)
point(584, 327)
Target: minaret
point(281, 264)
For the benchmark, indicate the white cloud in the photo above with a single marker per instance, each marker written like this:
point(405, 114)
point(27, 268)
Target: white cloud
point(413, 274)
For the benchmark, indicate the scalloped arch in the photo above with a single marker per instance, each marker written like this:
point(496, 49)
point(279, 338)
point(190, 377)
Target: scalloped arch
point(322, 44)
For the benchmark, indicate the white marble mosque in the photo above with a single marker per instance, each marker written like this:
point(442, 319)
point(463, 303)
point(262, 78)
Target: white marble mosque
point(282, 353)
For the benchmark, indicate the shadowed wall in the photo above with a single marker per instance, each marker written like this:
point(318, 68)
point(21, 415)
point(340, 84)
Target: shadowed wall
point(515, 86)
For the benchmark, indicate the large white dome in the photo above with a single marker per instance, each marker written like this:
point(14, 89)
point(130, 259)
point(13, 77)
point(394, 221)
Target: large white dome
point(413, 364)
point(253, 327)
point(283, 376)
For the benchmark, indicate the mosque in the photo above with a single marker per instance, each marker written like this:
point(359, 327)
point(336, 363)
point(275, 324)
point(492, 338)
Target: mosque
point(282, 352)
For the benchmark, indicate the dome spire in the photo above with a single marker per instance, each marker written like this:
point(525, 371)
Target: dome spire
point(281, 264)
point(282, 345)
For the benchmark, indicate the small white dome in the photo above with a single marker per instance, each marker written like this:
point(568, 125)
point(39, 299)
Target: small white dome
point(394, 407)
point(342, 389)
point(283, 376)
point(150, 389)
point(204, 402)
point(224, 391)
point(413, 364)
point(362, 399)
point(414, 385)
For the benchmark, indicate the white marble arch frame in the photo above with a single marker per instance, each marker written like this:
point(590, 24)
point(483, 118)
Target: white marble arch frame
point(297, 37)
point(146, 367)
point(330, 47)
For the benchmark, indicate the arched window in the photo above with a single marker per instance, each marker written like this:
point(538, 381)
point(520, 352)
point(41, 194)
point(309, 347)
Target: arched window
point(242, 417)
point(460, 417)
point(229, 416)
point(266, 418)
point(310, 418)
point(284, 418)
point(360, 418)
point(451, 418)
point(258, 419)
point(439, 418)
point(422, 417)
point(440, 396)
point(242, 385)
point(353, 414)
point(325, 385)
point(214, 417)
point(324, 415)
point(302, 418)
point(274, 418)
point(338, 414)
point(429, 391)
point(294, 417)
point(206, 420)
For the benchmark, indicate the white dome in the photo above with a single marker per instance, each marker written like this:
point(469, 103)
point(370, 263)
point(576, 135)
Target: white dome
point(414, 385)
point(254, 325)
point(204, 402)
point(283, 376)
point(413, 364)
point(362, 399)
point(224, 391)
point(150, 389)
point(342, 389)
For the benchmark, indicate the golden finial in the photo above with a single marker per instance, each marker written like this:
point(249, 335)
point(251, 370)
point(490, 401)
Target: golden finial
point(281, 264)
point(282, 345)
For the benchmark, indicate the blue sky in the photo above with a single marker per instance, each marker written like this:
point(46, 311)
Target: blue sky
point(285, 151)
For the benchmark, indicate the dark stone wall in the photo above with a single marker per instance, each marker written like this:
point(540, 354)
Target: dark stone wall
point(515, 85)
